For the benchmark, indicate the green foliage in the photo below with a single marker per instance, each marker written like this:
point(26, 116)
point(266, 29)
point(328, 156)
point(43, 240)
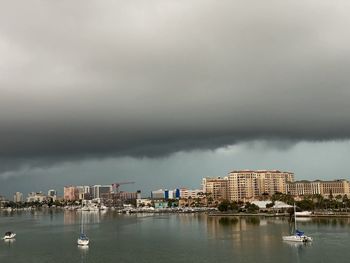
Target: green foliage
point(306, 204)
point(270, 205)
point(286, 198)
point(224, 205)
point(251, 208)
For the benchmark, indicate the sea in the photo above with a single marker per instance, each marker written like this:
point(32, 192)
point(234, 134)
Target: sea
point(50, 235)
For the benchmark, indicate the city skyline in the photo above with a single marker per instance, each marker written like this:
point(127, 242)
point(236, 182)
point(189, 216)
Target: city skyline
point(237, 185)
point(164, 92)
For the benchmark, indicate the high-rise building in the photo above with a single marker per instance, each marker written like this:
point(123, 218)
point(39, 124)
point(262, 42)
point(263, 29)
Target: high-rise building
point(101, 191)
point(70, 193)
point(18, 197)
point(246, 185)
point(216, 188)
point(83, 192)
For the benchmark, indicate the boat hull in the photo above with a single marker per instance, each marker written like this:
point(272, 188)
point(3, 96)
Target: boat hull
point(296, 238)
point(12, 236)
point(82, 242)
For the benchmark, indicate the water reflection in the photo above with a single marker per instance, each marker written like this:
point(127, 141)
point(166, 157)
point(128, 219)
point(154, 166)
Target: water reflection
point(84, 250)
point(297, 244)
point(228, 221)
point(331, 221)
point(72, 217)
point(9, 242)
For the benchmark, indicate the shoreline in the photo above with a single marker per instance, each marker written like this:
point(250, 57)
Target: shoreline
point(278, 215)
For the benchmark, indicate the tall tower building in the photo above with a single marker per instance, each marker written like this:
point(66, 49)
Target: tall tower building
point(18, 197)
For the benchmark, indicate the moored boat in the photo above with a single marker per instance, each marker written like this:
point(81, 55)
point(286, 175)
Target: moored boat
point(9, 235)
point(298, 236)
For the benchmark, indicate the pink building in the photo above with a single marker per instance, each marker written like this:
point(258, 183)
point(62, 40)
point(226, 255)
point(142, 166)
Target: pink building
point(70, 193)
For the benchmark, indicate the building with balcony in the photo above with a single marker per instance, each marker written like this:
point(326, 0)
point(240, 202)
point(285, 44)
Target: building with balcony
point(216, 188)
point(324, 188)
point(247, 185)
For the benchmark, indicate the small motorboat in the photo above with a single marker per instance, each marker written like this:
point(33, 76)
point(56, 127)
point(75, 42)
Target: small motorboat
point(9, 235)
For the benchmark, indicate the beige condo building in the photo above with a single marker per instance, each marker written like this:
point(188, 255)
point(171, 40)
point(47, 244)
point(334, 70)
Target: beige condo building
point(247, 185)
point(324, 188)
point(216, 187)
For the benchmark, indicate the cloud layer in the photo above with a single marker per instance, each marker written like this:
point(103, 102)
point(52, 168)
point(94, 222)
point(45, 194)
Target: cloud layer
point(136, 78)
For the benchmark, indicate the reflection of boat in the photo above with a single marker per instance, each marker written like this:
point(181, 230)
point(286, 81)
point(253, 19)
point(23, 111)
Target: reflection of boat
point(298, 236)
point(298, 244)
point(83, 240)
point(9, 235)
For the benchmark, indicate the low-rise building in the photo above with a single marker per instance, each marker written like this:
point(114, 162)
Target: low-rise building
point(324, 188)
point(36, 197)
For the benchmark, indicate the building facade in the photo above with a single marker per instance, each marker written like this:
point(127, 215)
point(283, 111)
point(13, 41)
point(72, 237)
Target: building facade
point(70, 193)
point(324, 188)
point(216, 188)
point(36, 197)
point(101, 191)
point(18, 197)
point(247, 185)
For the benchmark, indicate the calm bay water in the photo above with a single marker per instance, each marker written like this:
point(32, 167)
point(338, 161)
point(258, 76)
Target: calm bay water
point(50, 236)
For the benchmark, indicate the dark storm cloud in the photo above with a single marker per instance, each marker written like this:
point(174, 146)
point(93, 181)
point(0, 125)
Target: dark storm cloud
point(149, 78)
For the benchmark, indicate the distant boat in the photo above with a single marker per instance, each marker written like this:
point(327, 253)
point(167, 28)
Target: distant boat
point(298, 236)
point(83, 240)
point(9, 235)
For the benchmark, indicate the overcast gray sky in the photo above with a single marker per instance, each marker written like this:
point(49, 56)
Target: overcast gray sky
point(136, 89)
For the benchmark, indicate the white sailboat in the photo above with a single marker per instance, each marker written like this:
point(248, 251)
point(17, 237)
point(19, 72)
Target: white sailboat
point(9, 235)
point(298, 236)
point(83, 240)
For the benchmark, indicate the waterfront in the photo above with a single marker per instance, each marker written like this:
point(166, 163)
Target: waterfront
point(50, 236)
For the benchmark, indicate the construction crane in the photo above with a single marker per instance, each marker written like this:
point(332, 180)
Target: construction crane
point(115, 186)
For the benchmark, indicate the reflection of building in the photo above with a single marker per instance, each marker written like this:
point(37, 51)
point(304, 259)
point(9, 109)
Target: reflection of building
point(216, 188)
point(247, 184)
point(324, 188)
point(18, 197)
point(70, 193)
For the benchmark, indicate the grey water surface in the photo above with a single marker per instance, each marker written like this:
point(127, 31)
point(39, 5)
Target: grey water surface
point(50, 236)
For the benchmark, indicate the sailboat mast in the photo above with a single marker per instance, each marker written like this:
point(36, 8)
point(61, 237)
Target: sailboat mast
point(82, 223)
point(295, 218)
